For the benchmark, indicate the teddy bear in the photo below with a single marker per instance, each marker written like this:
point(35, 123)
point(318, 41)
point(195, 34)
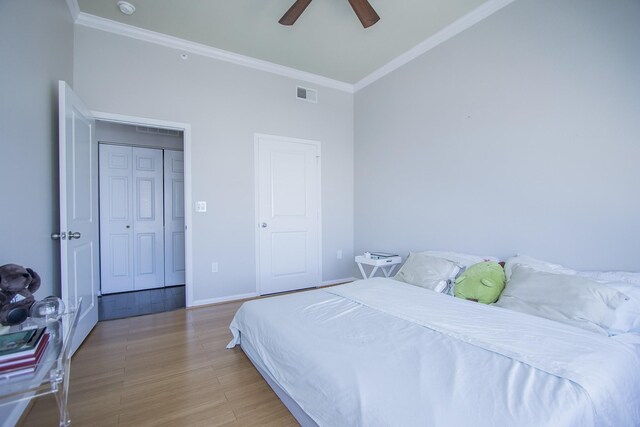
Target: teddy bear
point(482, 282)
point(16, 280)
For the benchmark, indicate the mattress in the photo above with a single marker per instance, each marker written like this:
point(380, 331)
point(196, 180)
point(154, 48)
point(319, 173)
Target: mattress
point(380, 353)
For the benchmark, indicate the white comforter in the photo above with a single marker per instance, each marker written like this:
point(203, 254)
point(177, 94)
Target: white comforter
point(382, 353)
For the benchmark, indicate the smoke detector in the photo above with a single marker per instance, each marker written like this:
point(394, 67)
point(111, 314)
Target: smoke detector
point(126, 7)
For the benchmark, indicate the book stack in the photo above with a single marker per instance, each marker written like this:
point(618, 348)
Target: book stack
point(20, 352)
point(382, 255)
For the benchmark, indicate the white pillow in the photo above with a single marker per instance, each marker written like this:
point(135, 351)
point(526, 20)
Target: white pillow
point(536, 264)
point(568, 299)
point(462, 260)
point(628, 314)
point(613, 276)
point(427, 271)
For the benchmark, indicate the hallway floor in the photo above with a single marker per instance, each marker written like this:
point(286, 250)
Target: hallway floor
point(138, 303)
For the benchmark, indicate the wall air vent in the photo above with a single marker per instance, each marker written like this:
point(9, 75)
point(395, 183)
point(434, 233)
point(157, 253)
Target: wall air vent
point(306, 94)
point(156, 131)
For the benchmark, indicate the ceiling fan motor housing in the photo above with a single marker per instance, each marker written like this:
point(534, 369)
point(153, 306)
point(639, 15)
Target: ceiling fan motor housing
point(364, 11)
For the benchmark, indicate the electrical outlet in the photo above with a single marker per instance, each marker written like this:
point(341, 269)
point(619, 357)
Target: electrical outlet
point(214, 267)
point(201, 206)
point(339, 254)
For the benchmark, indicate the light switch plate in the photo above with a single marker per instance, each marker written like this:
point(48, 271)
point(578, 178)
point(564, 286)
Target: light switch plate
point(201, 206)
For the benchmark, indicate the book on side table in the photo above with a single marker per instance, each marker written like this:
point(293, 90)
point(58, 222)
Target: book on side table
point(21, 351)
point(382, 255)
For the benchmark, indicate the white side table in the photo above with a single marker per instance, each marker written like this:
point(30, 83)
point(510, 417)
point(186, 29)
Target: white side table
point(387, 265)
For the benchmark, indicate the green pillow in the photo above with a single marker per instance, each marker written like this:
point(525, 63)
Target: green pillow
point(482, 282)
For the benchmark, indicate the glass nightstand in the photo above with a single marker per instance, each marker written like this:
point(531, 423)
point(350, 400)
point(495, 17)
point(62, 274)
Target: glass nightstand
point(52, 372)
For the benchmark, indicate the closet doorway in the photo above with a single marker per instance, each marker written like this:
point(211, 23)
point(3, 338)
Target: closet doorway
point(142, 220)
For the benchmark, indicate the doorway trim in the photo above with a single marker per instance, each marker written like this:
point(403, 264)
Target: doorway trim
point(186, 130)
point(256, 184)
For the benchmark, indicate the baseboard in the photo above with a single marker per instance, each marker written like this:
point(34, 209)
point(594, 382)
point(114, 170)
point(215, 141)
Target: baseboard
point(338, 281)
point(239, 297)
point(210, 301)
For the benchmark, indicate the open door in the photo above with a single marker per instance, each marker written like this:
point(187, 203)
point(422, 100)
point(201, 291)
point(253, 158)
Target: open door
point(79, 226)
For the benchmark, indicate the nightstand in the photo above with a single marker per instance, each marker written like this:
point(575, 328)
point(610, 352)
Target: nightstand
point(387, 265)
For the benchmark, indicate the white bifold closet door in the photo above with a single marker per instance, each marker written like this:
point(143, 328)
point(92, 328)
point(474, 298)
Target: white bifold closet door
point(131, 218)
point(174, 217)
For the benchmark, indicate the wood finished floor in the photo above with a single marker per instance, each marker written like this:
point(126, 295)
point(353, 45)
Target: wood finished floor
point(166, 369)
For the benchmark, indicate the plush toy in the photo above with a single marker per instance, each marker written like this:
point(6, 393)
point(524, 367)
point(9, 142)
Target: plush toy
point(16, 280)
point(482, 282)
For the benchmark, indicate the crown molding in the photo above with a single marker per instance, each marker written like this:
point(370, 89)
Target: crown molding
point(126, 30)
point(458, 26)
point(74, 9)
point(486, 9)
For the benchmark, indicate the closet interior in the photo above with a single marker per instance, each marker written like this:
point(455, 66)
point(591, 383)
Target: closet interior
point(142, 248)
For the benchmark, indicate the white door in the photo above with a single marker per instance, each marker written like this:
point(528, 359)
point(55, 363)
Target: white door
point(116, 219)
point(148, 227)
point(174, 266)
point(288, 185)
point(78, 210)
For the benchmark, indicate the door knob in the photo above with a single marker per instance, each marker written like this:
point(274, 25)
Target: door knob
point(59, 236)
point(263, 225)
point(74, 235)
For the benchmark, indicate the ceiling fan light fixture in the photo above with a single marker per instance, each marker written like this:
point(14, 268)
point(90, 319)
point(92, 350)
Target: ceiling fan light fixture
point(126, 7)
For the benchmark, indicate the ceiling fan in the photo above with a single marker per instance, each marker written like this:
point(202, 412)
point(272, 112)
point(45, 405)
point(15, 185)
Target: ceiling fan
point(366, 14)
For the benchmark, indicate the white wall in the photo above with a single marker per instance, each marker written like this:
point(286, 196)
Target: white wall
point(225, 105)
point(522, 134)
point(36, 41)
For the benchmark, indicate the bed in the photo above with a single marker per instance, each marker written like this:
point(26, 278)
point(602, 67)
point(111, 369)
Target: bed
point(379, 352)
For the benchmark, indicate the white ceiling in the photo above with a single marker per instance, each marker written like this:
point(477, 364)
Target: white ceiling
point(327, 40)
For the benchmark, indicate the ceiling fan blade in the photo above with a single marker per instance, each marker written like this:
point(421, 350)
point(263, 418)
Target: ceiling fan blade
point(366, 14)
point(294, 12)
